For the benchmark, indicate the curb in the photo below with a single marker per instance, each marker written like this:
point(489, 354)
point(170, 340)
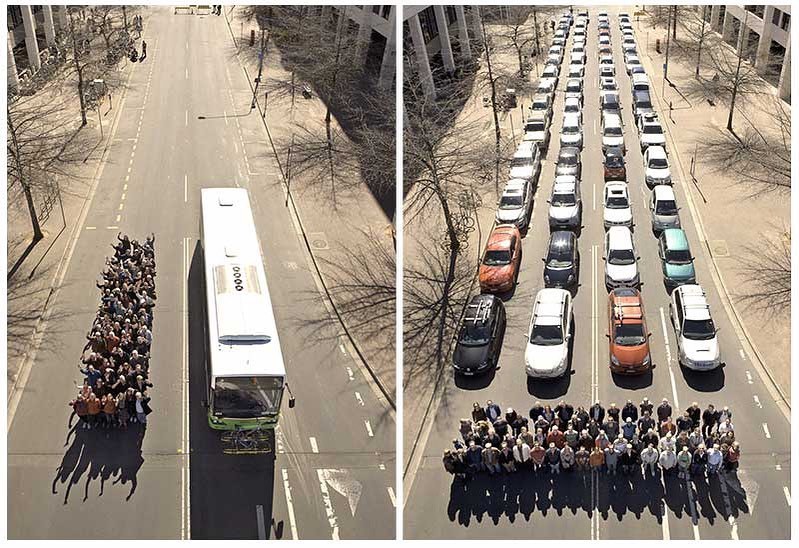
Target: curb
point(755, 357)
point(375, 378)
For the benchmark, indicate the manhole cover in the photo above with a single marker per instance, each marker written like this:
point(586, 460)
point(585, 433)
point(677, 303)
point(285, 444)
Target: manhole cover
point(318, 240)
point(719, 248)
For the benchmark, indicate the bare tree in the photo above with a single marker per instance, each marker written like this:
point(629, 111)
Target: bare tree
point(760, 157)
point(767, 271)
point(516, 33)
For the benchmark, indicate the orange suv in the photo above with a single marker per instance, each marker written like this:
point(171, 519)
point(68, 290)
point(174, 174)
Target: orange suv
point(629, 338)
point(500, 264)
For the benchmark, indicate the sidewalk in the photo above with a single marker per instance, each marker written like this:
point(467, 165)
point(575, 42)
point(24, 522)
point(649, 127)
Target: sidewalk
point(424, 385)
point(350, 242)
point(734, 221)
point(38, 276)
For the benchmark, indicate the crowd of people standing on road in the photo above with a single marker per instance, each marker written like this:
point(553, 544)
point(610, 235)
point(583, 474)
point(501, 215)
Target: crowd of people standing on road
point(116, 358)
point(630, 440)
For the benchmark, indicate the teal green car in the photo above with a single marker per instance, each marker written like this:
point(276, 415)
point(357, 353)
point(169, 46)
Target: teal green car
point(676, 258)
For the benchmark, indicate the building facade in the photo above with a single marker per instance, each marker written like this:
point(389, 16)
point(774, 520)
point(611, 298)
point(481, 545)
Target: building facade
point(762, 34)
point(438, 40)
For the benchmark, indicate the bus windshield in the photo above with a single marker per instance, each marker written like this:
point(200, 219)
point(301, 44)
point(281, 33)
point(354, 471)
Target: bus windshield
point(247, 397)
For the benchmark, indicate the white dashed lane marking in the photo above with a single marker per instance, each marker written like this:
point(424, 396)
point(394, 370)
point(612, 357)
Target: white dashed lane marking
point(757, 402)
point(314, 446)
point(392, 497)
point(350, 375)
point(749, 377)
point(766, 431)
point(359, 398)
point(787, 494)
point(369, 429)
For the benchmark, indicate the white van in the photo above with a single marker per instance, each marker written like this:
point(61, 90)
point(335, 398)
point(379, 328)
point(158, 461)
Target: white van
point(526, 162)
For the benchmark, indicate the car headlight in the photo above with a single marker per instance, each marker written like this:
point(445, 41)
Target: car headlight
point(546, 278)
point(614, 360)
point(571, 277)
point(647, 359)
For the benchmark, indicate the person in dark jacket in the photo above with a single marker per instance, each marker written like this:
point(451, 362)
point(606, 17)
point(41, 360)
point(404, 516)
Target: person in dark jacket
point(695, 413)
point(629, 411)
point(664, 410)
point(501, 427)
point(611, 428)
point(536, 410)
point(142, 406)
point(553, 459)
point(629, 460)
point(564, 411)
point(684, 423)
point(580, 418)
point(492, 411)
point(597, 413)
point(614, 412)
point(646, 422)
point(710, 418)
point(478, 413)
point(645, 406)
point(511, 415)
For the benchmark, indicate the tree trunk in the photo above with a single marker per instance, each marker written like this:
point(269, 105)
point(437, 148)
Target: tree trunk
point(78, 69)
point(497, 130)
point(37, 229)
point(736, 81)
point(537, 42)
point(701, 39)
point(521, 61)
point(674, 25)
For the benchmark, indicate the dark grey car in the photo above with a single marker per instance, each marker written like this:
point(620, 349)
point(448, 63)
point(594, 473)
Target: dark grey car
point(569, 162)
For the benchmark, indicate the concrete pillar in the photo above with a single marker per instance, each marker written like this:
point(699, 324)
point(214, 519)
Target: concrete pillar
point(389, 62)
point(477, 24)
point(30, 38)
point(726, 26)
point(364, 33)
point(11, 71)
point(742, 40)
point(714, 17)
point(49, 25)
point(443, 37)
point(764, 45)
point(63, 19)
point(784, 86)
point(463, 33)
point(420, 53)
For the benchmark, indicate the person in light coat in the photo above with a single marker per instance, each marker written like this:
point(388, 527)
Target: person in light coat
point(714, 460)
point(684, 462)
point(619, 444)
point(667, 442)
point(521, 454)
point(649, 457)
point(611, 460)
point(567, 458)
point(667, 460)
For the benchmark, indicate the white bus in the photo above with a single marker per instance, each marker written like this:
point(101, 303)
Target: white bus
point(245, 374)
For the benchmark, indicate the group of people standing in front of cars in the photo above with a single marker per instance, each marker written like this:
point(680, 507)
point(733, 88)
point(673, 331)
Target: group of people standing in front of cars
point(631, 440)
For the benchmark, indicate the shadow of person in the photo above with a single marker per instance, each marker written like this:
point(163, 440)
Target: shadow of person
point(704, 504)
point(69, 461)
point(676, 496)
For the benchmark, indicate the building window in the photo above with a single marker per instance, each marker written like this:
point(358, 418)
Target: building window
point(452, 15)
point(427, 19)
point(14, 17)
point(386, 12)
point(376, 10)
point(757, 10)
point(786, 22)
point(775, 17)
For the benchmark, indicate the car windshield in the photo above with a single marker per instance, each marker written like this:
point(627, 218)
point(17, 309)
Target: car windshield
point(610, 103)
point(497, 257)
point(571, 130)
point(559, 258)
point(534, 126)
point(666, 207)
point(539, 105)
point(567, 160)
point(621, 257)
point(659, 163)
point(474, 334)
point(699, 330)
point(247, 397)
point(613, 131)
point(546, 335)
point(564, 199)
point(573, 88)
point(652, 129)
point(614, 161)
point(629, 334)
point(520, 162)
point(678, 256)
point(617, 202)
point(510, 201)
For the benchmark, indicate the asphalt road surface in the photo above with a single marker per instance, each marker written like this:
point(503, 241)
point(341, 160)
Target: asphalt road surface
point(333, 472)
point(753, 505)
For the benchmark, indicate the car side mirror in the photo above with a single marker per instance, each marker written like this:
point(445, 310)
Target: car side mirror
point(638, 258)
point(649, 334)
point(607, 335)
point(543, 259)
point(549, 201)
point(292, 402)
point(205, 403)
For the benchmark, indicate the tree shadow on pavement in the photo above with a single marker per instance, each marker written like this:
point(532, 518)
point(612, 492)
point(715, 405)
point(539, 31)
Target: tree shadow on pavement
point(103, 455)
point(525, 492)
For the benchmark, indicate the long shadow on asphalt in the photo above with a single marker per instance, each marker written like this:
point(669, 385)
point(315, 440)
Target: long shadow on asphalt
point(225, 489)
point(100, 454)
point(704, 381)
point(633, 382)
point(523, 493)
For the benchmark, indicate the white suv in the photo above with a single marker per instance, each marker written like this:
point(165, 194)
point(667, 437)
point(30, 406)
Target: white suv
point(514, 205)
point(617, 208)
point(565, 205)
point(651, 132)
point(656, 165)
point(696, 335)
point(621, 262)
point(547, 353)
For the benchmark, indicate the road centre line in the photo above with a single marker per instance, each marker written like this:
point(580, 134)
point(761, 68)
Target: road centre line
point(391, 496)
point(314, 446)
point(664, 523)
point(112, 227)
point(787, 494)
point(742, 354)
point(186, 122)
point(91, 228)
point(187, 73)
point(674, 388)
point(289, 504)
point(749, 378)
point(121, 207)
point(119, 217)
point(766, 431)
point(185, 187)
point(369, 429)
point(757, 402)
point(733, 528)
point(359, 398)
point(349, 374)
point(123, 196)
point(259, 516)
point(666, 344)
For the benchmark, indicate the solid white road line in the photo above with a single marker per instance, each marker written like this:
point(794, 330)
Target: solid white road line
point(91, 228)
point(187, 119)
point(331, 514)
point(359, 398)
point(741, 352)
point(664, 524)
point(733, 528)
point(674, 388)
point(369, 429)
point(392, 497)
point(185, 353)
point(314, 446)
point(185, 187)
point(289, 504)
point(765, 431)
point(187, 73)
point(259, 515)
point(787, 494)
point(666, 344)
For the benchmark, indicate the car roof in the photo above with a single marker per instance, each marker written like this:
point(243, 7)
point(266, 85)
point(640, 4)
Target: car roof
point(613, 152)
point(656, 152)
point(547, 308)
point(565, 186)
point(694, 302)
point(612, 119)
point(525, 149)
point(573, 100)
point(627, 306)
point(675, 239)
point(500, 237)
point(478, 309)
point(616, 187)
point(569, 151)
point(663, 192)
point(573, 117)
point(562, 239)
point(514, 186)
point(541, 97)
point(620, 237)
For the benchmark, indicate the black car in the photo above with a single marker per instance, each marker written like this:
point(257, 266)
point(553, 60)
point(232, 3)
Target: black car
point(569, 162)
point(480, 337)
point(562, 263)
point(642, 103)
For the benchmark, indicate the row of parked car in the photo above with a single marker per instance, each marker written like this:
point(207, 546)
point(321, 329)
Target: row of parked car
point(551, 324)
